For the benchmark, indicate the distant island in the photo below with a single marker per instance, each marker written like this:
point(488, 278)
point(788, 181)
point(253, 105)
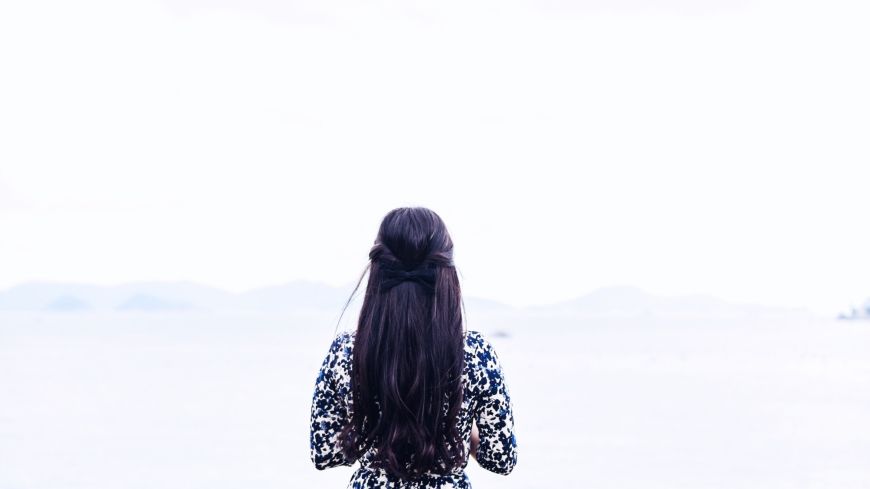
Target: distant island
point(857, 313)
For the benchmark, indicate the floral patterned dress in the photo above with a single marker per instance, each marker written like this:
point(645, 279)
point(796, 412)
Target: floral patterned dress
point(486, 402)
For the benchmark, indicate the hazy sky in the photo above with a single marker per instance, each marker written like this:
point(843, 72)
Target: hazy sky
point(681, 146)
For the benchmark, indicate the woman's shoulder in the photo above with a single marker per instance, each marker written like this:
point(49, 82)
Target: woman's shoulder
point(482, 368)
point(343, 338)
point(340, 350)
point(476, 341)
point(479, 347)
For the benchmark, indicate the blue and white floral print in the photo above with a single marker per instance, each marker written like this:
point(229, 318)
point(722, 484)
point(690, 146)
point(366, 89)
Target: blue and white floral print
point(486, 402)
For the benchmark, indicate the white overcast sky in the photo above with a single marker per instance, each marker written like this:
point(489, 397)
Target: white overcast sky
point(715, 147)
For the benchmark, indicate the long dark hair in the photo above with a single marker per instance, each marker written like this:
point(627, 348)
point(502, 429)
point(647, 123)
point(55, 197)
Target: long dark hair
point(408, 352)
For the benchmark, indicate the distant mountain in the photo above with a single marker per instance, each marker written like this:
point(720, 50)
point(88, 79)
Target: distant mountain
point(298, 295)
point(145, 302)
point(183, 295)
point(135, 295)
point(486, 305)
point(67, 303)
point(49, 296)
point(172, 296)
point(625, 301)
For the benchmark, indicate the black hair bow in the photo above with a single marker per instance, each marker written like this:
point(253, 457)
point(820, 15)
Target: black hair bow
point(394, 275)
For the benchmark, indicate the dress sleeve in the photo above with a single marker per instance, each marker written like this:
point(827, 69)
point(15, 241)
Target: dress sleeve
point(497, 451)
point(329, 406)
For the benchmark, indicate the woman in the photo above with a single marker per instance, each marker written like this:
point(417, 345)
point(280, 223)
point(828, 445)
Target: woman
point(409, 394)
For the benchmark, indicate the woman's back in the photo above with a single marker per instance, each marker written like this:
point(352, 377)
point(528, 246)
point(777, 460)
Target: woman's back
point(486, 403)
point(403, 393)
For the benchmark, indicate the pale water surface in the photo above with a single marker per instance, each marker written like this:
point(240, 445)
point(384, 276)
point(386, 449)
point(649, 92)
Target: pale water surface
point(110, 400)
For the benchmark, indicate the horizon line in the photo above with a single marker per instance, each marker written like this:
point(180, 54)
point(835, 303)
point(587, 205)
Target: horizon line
point(349, 285)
